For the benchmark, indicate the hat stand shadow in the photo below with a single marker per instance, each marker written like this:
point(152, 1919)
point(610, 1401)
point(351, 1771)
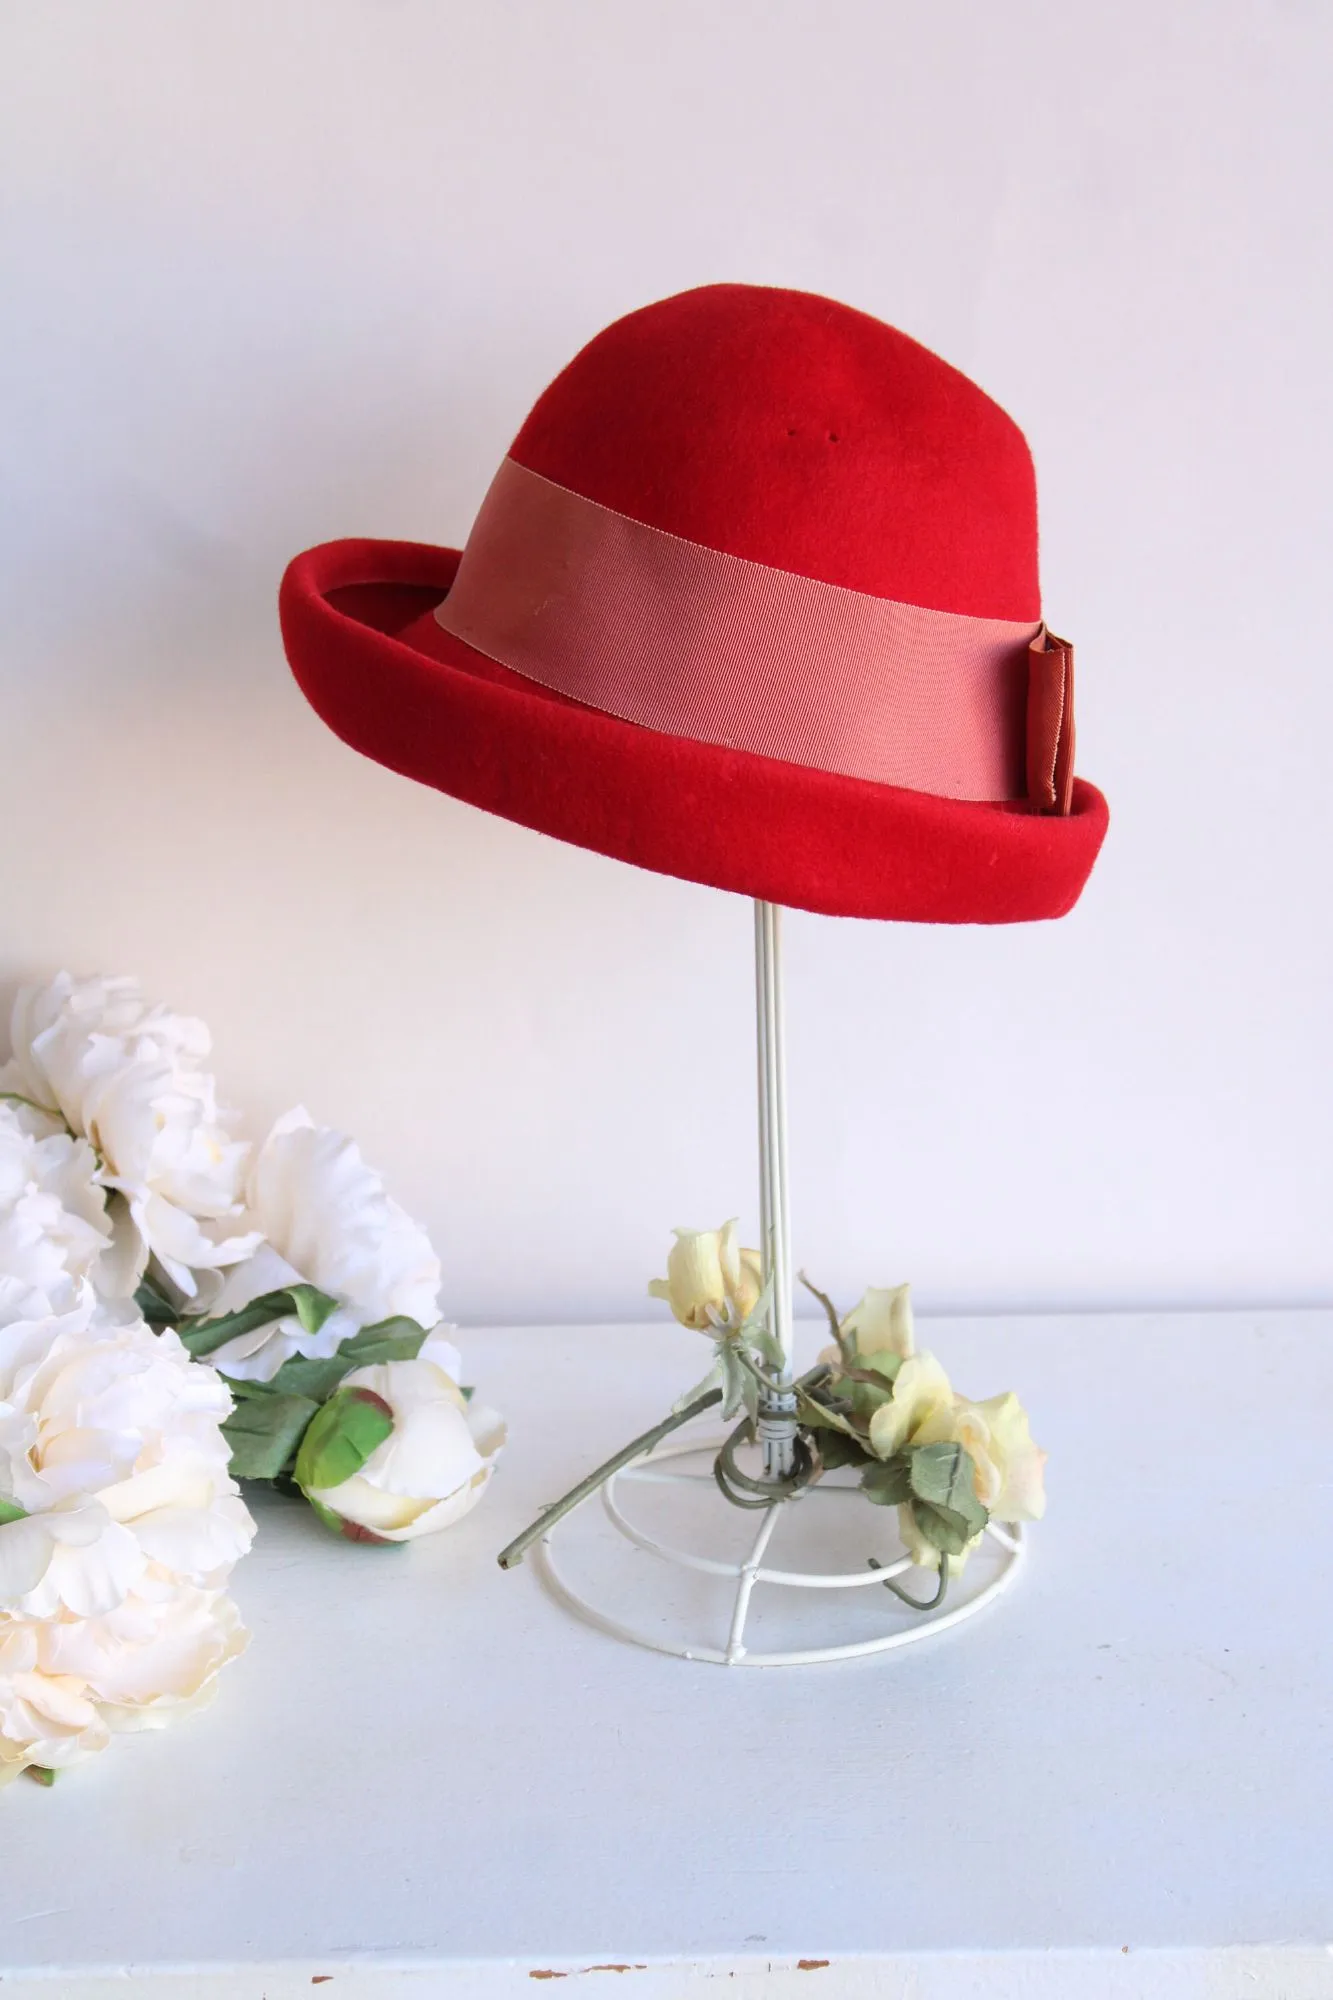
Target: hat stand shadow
point(698, 1605)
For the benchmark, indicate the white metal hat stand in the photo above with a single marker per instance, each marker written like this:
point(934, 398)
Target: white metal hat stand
point(669, 1565)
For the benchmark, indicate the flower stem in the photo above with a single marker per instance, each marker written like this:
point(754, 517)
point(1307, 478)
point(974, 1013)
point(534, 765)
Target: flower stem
point(765, 1381)
point(918, 1603)
point(742, 1491)
point(831, 1314)
point(511, 1557)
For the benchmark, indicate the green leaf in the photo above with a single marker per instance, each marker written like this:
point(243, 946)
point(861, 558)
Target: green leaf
point(313, 1307)
point(866, 1391)
point(42, 1774)
point(316, 1378)
point(944, 1475)
point(944, 1528)
point(397, 1339)
point(944, 1496)
point(156, 1307)
point(888, 1484)
point(740, 1391)
point(303, 1375)
point(264, 1431)
point(820, 1416)
point(765, 1345)
point(11, 1511)
point(341, 1437)
point(205, 1336)
point(836, 1449)
point(388, 1340)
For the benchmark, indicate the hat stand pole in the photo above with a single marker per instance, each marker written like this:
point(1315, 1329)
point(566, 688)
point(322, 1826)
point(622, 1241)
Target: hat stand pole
point(655, 1607)
point(777, 1412)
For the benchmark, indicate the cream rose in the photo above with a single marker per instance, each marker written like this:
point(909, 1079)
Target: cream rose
point(711, 1285)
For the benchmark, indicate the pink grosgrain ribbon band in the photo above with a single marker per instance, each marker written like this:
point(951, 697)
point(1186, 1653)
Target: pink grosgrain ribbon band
point(685, 639)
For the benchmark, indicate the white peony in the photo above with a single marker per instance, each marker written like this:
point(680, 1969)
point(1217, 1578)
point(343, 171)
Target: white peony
point(327, 1221)
point(119, 1523)
point(53, 1220)
point(430, 1470)
point(129, 1079)
point(47, 1720)
point(711, 1283)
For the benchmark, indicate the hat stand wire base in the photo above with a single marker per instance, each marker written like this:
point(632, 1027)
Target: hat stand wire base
point(752, 1571)
point(828, 1579)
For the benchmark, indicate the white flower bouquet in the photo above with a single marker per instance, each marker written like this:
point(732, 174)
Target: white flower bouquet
point(179, 1312)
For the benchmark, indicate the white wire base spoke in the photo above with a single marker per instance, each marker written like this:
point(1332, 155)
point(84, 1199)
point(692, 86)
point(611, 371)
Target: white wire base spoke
point(697, 1603)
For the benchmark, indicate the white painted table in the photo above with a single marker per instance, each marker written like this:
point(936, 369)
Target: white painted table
point(425, 1779)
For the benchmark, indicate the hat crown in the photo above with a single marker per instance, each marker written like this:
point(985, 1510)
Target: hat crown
point(799, 433)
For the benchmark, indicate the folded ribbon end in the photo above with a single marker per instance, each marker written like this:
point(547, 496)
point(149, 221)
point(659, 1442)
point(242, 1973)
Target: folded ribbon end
point(1050, 724)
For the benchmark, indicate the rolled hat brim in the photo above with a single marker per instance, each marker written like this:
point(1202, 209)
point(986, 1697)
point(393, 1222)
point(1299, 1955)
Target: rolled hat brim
point(367, 652)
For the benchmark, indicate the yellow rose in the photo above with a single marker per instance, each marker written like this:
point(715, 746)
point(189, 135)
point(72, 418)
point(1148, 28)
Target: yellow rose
point(879, 1323)
point(919, 1410)
point(1008, 1466)
point(1011, 1471)
point(711, 1283)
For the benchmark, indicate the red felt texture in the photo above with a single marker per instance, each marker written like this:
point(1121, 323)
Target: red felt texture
point(801, 433)
point(356, 623)
point(771, 425)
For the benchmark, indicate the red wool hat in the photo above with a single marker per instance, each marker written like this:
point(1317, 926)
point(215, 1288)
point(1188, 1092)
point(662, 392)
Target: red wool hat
point(753, 600)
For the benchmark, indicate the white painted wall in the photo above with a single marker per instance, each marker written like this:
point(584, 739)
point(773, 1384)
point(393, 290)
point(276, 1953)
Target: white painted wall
point(289, 269)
